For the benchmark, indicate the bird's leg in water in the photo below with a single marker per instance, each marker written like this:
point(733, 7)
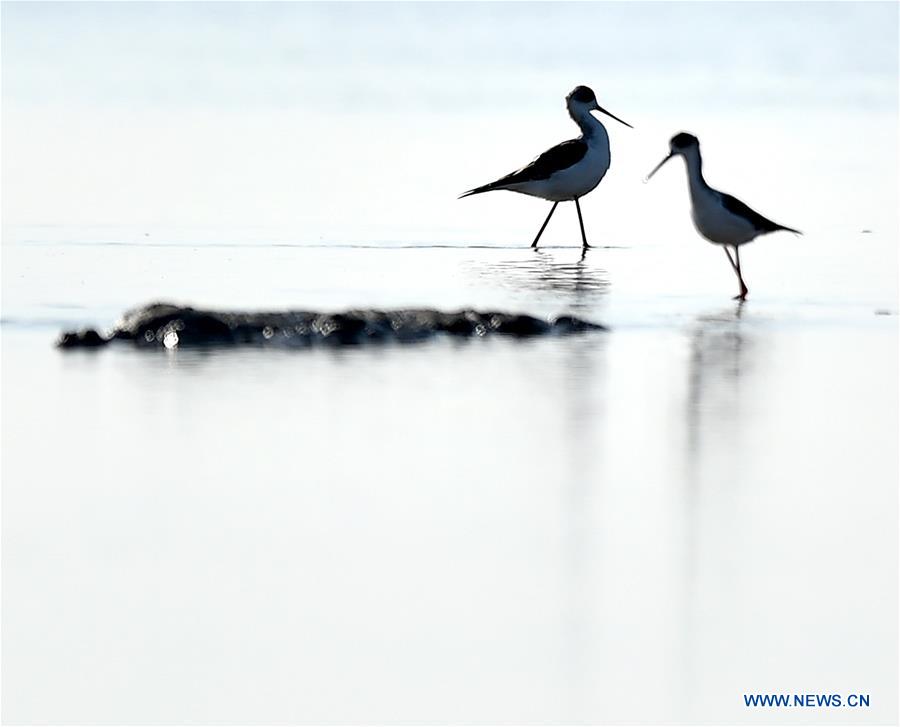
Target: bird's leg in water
point(581, 223)
point(541, 231)
point(744, 289)
point(737, 271)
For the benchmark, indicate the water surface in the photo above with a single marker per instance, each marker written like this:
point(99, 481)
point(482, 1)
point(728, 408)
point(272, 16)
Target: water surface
point(637, 526)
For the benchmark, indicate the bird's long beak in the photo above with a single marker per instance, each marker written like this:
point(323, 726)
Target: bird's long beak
point(604, 111)
point(658, 167)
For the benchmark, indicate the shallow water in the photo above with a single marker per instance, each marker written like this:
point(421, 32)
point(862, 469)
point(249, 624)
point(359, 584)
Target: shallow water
point(636, 526)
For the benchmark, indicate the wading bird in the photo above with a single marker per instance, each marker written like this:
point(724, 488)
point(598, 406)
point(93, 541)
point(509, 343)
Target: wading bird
point(719, 217)
point(569, 170)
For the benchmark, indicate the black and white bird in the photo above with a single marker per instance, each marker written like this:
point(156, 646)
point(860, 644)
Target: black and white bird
point(722, 219)
point(569, 170)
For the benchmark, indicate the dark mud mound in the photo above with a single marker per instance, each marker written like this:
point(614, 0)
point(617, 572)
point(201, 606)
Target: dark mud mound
point(169, 326)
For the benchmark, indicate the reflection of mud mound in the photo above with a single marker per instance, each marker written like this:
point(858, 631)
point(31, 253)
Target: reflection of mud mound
point(166, 325)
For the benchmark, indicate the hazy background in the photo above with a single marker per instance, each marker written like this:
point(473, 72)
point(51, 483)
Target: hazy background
point(366, 120)
point(638, 527)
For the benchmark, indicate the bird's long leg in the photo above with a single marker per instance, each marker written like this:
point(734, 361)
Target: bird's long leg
point(730, 259)
point(737, 271)
point(744, 289)
point(543, 227)
point(581, 222)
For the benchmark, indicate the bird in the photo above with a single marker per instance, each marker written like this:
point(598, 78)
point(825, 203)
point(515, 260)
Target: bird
point(720, 218)
point(569, 170)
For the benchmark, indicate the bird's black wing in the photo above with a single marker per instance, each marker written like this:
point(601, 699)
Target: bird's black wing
point(763, 224)
point(562, 156)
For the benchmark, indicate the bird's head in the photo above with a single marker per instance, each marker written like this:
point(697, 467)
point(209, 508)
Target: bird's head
point(581, 101)
point(682, 144)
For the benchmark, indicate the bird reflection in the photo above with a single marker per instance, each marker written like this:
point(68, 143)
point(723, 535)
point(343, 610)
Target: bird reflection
point(584, 363)
point(720, 351)
point(717, 360)
point(580, 283)
point(555, 279)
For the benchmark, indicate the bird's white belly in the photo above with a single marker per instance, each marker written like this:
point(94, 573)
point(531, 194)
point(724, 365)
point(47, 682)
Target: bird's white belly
point(717, 224)
point(571, 183)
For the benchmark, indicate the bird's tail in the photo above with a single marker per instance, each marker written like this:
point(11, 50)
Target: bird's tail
point(480, 190)
point(787, 229)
